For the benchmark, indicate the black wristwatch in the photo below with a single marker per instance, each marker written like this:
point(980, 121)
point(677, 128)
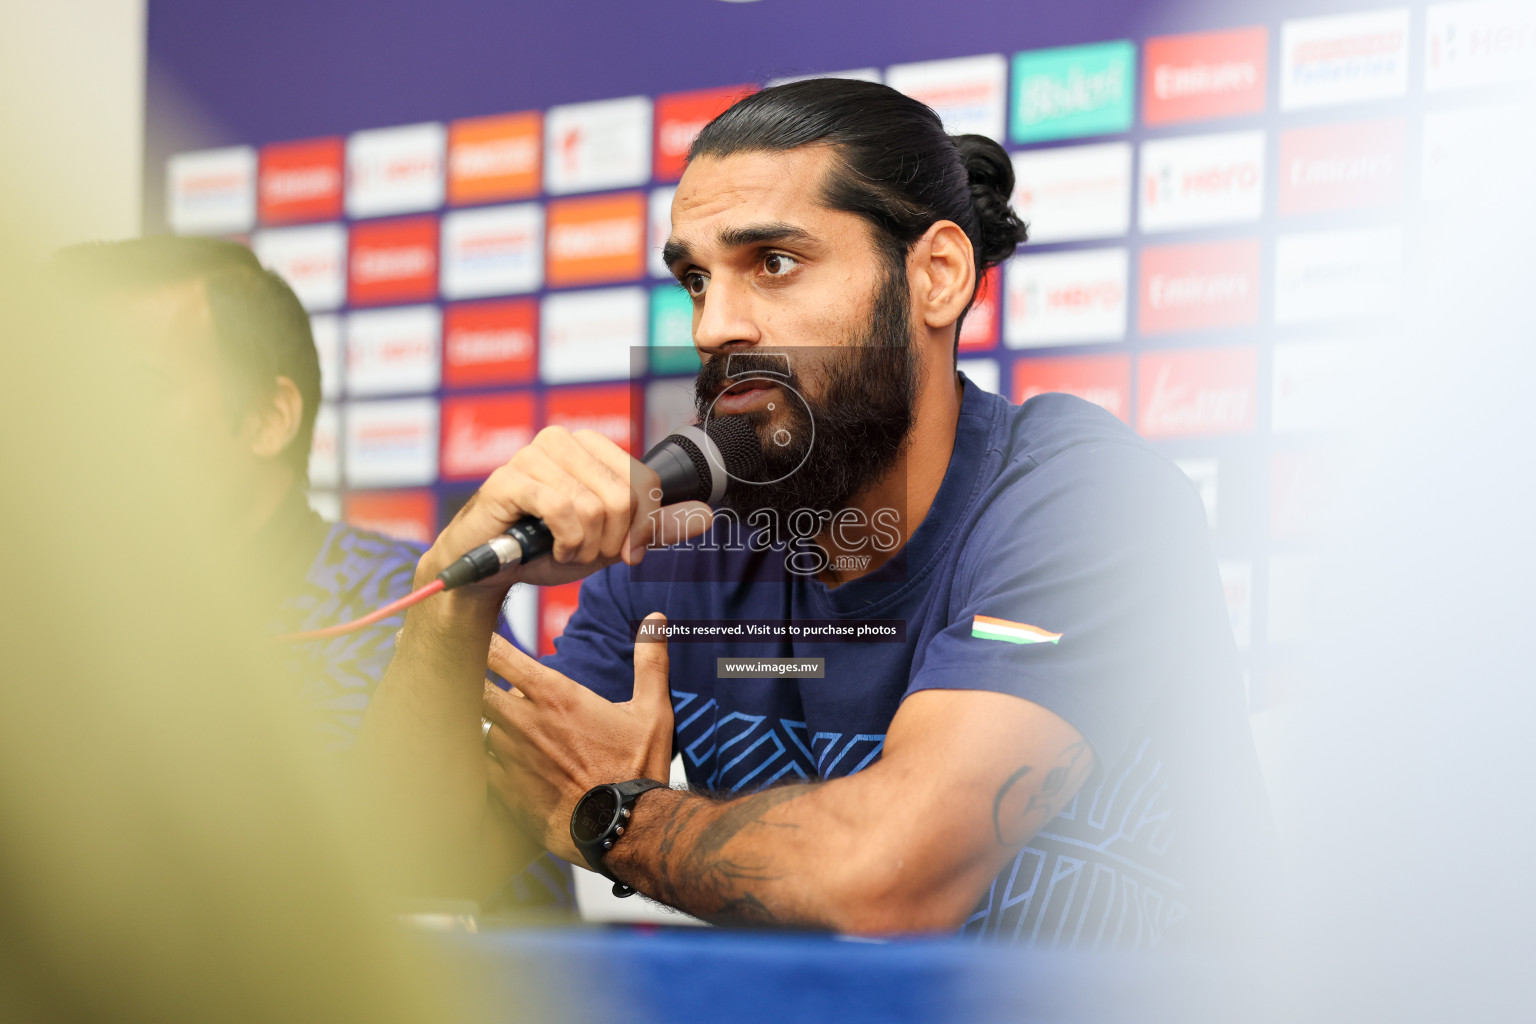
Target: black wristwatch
point(600, 818)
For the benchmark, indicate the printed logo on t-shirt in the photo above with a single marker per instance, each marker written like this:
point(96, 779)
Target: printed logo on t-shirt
point(988, 628)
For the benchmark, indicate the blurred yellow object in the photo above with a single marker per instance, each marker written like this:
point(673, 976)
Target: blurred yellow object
point(174, 845)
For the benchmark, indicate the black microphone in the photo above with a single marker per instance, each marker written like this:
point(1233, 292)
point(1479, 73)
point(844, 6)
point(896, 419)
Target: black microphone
point(694, 464)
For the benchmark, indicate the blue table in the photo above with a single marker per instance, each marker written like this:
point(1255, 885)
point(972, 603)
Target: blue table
point(647, 973)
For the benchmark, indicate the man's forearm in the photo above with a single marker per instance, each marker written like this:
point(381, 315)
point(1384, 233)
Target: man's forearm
point(745, 861)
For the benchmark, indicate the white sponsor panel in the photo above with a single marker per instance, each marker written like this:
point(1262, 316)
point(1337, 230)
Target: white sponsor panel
point(312, 259)
point(1075, 192)
point(1345, 58)
point(1317, 383)
point(211, 192)
point(394, 351)
point(984, 373)
point(326, 504)
point(602, 145)
point(1206, 476)
point(325, 449)
point(1326, 275)
point(1473, 45)
point(857, 74)
point(1237, 584)
point(1202, 180)
point(521, 610)
point(391, 443)
point(326, 330)
point(659, 231)
point(396, 170)
point(495, 250)
point(588, 335)
point(1290, 597)
point(1065, 298)
point(969, 93)
point(1471, 154)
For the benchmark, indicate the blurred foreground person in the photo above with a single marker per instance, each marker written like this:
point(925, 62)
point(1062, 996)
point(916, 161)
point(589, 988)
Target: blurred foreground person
point(175, 848)
point(225, 349)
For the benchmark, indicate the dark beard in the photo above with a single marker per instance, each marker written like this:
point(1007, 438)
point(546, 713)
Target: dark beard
point(860, 397)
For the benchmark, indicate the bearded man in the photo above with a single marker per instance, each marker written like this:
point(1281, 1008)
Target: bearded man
point(1011, 703)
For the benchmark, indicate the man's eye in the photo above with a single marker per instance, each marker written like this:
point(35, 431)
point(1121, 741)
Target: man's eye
point(777, 264)
point(695, 284)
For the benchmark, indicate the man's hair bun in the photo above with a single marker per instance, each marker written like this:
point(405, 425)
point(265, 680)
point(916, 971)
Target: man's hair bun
point(998, 227)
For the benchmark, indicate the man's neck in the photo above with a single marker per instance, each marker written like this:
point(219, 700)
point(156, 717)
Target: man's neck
point(880, 521)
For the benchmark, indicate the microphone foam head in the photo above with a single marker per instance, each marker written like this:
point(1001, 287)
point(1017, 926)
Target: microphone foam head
point(740, 449)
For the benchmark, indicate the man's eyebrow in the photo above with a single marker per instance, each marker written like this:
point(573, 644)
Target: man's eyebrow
point(677, 251)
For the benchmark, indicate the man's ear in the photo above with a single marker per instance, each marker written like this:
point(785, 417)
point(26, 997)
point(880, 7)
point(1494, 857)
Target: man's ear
point(943, 273)
point(275, 423)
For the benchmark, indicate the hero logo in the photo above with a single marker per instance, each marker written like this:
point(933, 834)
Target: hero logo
point(391, 443)
point(325, 449)
point(1201, 181)
point(489, 342)
point(1331, 274)
point(211, 192)
point(1470, 45)
point(593, 146)
point(1074, 193)
point(1197, 392)
point(395, 170)
point(1065, 298)
point(1103, 380)
point(1339, 166)
point(1189, 287)
point(481, 433)
point(394, 261)
point(660, 220)
point(493, 251)
point(588, 335)
point(1209, 74)
point(967, 93)
point(313, 260)
point(390, 351)
point(326, 330)
point(605, 409)
point(1347, 58)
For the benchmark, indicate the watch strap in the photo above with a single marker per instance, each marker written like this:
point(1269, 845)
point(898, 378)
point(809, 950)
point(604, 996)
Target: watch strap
point(595, 852)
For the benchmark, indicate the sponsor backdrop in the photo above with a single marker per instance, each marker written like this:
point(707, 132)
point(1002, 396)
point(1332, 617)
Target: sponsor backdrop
point(471, 202)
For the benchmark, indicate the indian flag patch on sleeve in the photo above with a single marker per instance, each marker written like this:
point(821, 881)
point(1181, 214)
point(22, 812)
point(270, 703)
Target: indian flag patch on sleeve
point(988, 628)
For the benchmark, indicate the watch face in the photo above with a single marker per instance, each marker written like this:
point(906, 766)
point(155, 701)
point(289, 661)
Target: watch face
point(594, 814)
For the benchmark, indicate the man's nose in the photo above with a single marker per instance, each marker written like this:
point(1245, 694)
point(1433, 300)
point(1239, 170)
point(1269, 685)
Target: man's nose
point(724, 320)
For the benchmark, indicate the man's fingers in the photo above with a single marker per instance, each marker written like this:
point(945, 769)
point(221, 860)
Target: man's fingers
point(651, 665)
point(534, 680)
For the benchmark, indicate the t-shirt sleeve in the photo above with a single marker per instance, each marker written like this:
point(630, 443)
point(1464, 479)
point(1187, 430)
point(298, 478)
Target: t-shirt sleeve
point(596, 648)
point(1088, 588)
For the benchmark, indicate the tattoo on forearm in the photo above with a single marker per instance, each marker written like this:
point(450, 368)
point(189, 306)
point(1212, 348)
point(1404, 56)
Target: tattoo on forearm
point(1063, 779)
point(698, 868)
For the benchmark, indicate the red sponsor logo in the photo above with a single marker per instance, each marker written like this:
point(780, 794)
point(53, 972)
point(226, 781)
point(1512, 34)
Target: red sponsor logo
point(1339, 166)
point(605, 408)
point(392, 261)
point(1209, 284)
point(679, 119)
point(301, 181)
point(490, 343)
point(1103, 380)
point(1197, 392)
point(980, 328)
point(480, 433)
point(1205, 74)
point(410, 515)
point(556, 606)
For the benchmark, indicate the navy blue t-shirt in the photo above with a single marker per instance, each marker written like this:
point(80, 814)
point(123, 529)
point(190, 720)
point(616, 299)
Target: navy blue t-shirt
point(1053, 520)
